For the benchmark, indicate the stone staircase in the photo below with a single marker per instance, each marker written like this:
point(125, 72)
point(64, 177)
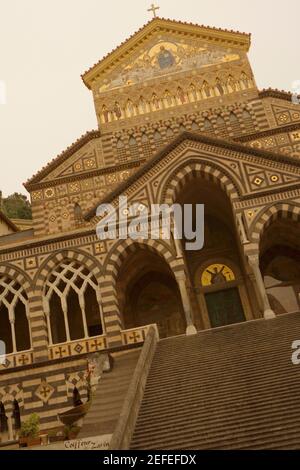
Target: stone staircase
point(109, 396)
point(229, 388)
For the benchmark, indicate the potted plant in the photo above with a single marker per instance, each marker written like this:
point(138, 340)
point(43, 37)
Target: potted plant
point(29, 432)
point(71, 431)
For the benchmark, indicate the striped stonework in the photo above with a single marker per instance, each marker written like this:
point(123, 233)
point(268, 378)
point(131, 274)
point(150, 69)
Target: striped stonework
point(260, 115)
point(38, 326)
point(46, 389)
point(119, 252)
point(185, 173)
point(274, 212)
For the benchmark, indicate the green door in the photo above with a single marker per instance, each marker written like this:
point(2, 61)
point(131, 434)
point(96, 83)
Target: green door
point(224, 307)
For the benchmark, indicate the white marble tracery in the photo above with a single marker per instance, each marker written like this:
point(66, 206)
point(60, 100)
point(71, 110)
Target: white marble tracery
point(11, 293)
point(64, 278)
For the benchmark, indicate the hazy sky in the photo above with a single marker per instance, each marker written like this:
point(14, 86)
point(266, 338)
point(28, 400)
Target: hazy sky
point(45, 45)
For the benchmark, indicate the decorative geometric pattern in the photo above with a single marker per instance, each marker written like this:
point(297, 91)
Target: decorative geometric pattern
point(17, 360)
point(74, 348)
point(285, 116)
point(282, 142)
point(99, 248)
point(44, 391)
point(31, 263)
point(78, 348)
point(260, 179)
point(135, 336)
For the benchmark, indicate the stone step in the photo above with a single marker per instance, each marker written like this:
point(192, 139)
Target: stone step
point(224, 427)
point(229, 388)
point(109, 397)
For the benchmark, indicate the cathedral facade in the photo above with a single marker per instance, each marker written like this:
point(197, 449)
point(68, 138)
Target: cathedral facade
point(180, 120)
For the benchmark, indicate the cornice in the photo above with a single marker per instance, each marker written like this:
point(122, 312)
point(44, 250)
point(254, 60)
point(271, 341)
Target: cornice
point(90, 174)
point(275, 93)
point(269, 132)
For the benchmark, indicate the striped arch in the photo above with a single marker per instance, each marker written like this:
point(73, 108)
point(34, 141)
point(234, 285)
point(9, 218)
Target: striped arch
point(195, 168)
point(115, 259)
point(11, 393)
point(272, 213)
point(71, 255)
point(18, 275)
point(18, 286)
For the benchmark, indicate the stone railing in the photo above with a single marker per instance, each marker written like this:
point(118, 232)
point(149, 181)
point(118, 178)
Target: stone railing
point(135, 335)
point(77, 347)
point(125, 426)
point(12, 360)
point(98, 343)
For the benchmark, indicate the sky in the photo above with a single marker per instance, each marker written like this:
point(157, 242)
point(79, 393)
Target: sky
point(45, 46)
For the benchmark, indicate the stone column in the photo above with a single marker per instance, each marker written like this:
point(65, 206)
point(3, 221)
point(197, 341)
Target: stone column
point(254, 263)
point(9, 415)
point(38, 326)
point(13, 334)
point(82, 306)
point(112, 318)
point(181, 280)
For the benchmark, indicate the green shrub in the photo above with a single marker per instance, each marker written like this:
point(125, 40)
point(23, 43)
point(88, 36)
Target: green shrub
point(30, 427)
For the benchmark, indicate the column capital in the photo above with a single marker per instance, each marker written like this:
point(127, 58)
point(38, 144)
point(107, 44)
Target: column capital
point(180, 276)
point(253, 259)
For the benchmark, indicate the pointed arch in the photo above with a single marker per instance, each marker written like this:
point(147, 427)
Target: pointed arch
point(71, 301)
point(207, 125)
point(192, 93)
point(14, 310)
point(233, 117)
point(145, 138)
point(132, 141)
point(66, 255)
point(157, 135)
point(272, 213)
point(169, 132)
point(120, 143)
point(172, 185)
point(114, 260)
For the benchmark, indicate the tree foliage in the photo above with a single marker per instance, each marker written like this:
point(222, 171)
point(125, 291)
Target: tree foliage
point(16, 206)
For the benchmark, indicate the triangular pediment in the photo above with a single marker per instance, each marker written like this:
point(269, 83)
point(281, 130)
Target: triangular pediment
point(163, 47)
point(83, 156)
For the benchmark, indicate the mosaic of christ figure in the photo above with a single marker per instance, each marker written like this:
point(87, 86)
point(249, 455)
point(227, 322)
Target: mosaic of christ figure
point(217, 277)
point(165, 58)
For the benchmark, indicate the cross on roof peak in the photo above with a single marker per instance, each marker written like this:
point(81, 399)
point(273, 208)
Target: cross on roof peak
point(153, 10)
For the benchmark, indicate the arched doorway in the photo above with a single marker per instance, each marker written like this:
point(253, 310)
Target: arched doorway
point(217, 271)
point(280, 265)
point(148, 294)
